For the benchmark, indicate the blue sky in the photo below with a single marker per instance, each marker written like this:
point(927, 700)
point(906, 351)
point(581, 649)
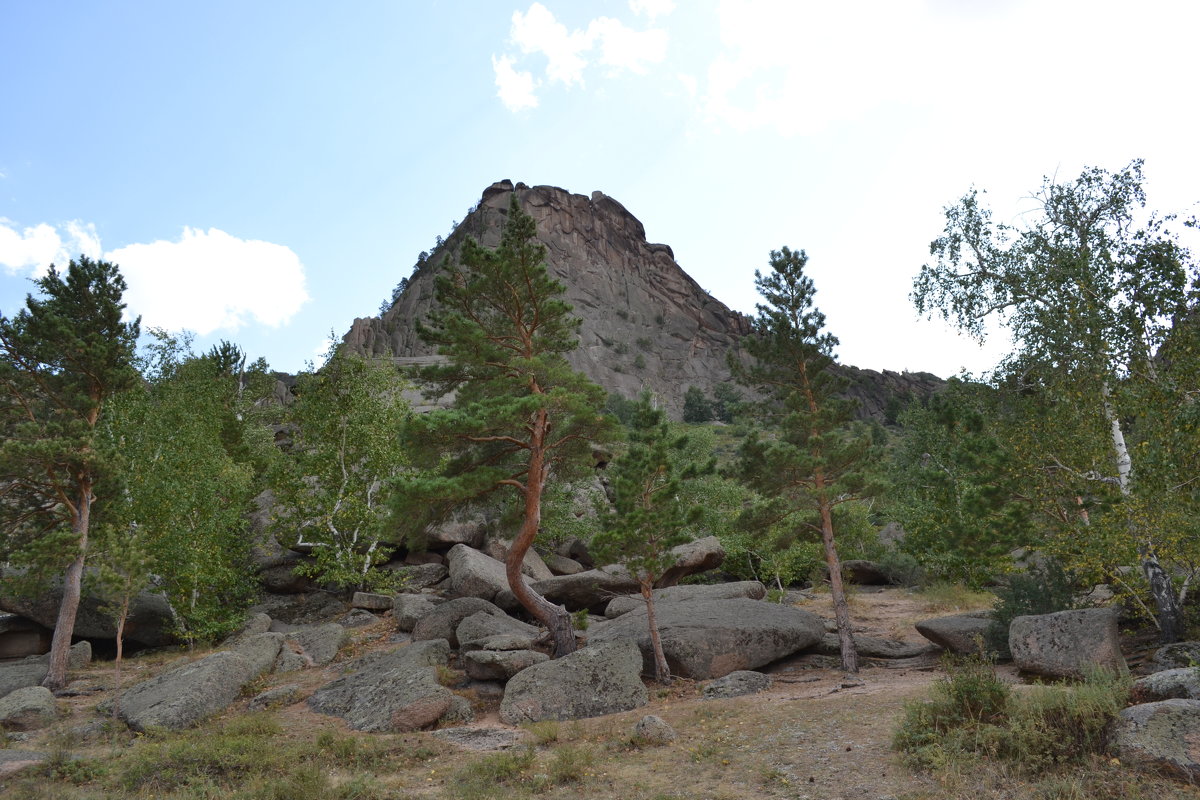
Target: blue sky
point(267, 171)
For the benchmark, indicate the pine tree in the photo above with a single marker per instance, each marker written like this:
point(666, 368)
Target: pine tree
point(520, 410)
point(811, 458)
point(62, 358)
point(649, 517)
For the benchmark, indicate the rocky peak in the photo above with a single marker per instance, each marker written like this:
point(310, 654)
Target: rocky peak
point(646, 324)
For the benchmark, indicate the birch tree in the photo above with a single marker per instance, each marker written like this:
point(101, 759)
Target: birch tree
point(1089, 287)
point(346, 450)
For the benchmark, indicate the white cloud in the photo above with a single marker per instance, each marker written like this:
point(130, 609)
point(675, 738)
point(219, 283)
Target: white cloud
point(569, 53)
point(537, 31)
point(32, 250)
point(210, 280)
point(514, 88)
point(652, 9)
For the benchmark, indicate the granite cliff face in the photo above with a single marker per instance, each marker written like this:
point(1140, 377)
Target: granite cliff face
point(646, 323)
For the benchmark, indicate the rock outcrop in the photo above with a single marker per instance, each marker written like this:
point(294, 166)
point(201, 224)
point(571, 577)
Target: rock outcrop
point(646, 323)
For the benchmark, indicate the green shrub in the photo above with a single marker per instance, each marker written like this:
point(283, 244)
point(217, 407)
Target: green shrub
point(1044, 589)
point(973, 714)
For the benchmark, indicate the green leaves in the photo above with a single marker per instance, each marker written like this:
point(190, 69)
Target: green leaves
point(346, 451)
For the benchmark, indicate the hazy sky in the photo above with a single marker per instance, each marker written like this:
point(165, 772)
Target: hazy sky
point(267, 171)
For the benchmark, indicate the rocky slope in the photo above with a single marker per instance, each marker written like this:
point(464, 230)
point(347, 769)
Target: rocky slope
point(646, 323)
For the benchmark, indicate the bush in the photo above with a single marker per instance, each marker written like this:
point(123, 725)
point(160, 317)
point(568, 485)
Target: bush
point(1044, 589)
point(972, 713)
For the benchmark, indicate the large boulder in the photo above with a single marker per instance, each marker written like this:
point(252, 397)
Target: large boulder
point(486, 631)
point(20, 637)
point(874, 647)
point(958, 633)
point(591, 589)
point(1181, 682)
point(187, 694)
point(692, 558)
point(19, 674)
point(599, 679)
point(532, 565)
point(561, 565)
point(27, 709)
point(1067, 644)
point(397, 691)
point(1163, 735)
point(737, 683)
point(457, 530)
point(415, 577)
point(711, 638)
point(474, 574)
point(442, 622)
point(752, 590)
point(151, 620)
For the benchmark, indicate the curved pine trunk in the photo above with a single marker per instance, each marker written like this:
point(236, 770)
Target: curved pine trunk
point(64, 626)
point(555, 618)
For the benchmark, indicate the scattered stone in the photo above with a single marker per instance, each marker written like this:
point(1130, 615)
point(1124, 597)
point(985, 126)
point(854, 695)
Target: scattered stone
point(692, 558)
point(1181, 682)
point(753, 590)
point(358, 618)
point(1067, 644)
point(482, 739)
point(653, 730)
point(499, 665)
point(459, 712)
point(486, 631)
point(711, 638)
point(736, 684)
point(393, 691)
point(958, 633)
point(274, 698)
point(291, 657)
point(1163, 735)
point(371, 601)
point(408, 609)
point(1179, 654)
point(185, 695)
point(599, 679)
point(443, 621)
point(27, 709)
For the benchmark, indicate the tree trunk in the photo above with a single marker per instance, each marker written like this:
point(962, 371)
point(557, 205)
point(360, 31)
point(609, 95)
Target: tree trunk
point(1169, 615)
point(555, 618)
point(64, 627)
point(662, 672)
point(841, 610)
point(124, 615)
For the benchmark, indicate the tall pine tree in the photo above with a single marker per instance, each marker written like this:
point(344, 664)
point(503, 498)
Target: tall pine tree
point(810, 459)
point(62, 357)
point(520, 410)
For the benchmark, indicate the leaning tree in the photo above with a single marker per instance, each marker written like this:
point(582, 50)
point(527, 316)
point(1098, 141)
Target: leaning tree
point(520, 411)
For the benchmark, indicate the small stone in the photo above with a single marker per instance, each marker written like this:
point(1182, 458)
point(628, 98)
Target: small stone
point(653, 730)
point(371, 601)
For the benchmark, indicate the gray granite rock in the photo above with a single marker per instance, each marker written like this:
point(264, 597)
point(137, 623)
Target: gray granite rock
point(958, 633)
point(711, 638)
point(1067, 643)
point(443, 621)
point(752, 590)
point(27, 709)
point(653, 730)
point(187, 694)
point(596, 680)
point(736, 684)
point(1162, 736)
point(499, 665)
